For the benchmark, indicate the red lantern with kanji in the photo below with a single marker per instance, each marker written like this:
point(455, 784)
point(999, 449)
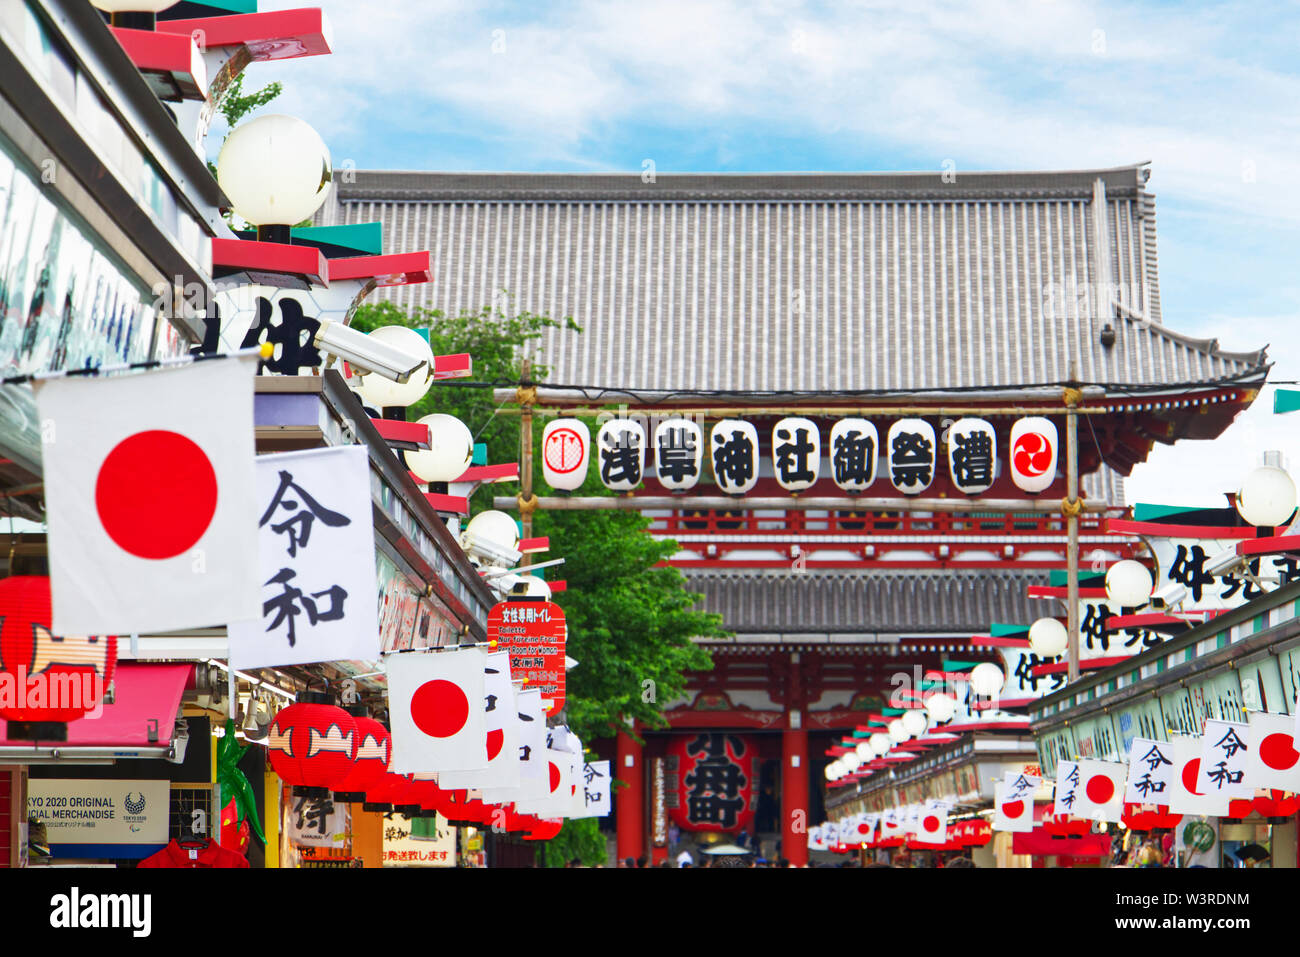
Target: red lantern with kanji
point(716, 774)
point(1278, 806)
point(374, 748)
point(46, 680)
point(313, 745)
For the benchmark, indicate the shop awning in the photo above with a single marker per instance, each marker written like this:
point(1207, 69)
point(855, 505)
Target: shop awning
point(140, 723)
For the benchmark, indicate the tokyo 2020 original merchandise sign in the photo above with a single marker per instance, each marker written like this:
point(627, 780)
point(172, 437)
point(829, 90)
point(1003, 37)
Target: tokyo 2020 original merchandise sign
point(535, 633)
point(99, 812)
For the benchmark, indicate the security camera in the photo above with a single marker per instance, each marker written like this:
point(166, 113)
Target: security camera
point(365, 353)
point(1225, 563)
point(491, 552)
point(1170, 596)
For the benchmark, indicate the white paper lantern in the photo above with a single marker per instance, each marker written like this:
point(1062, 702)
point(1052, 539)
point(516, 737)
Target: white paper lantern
point(1048, 637)
point(733, 448)
point(911, 456)
point(915, 722)
point(987, 679)
point(566, 452)
point(450, 451)
point(275, 169)
point(1267, 496)
point(972, 455)
point(941, 706)
point(1034, 443)
point(897, 733)
point(679, 453)
point(381, 393)
point(1129, 584)
point(880, 744)
point(796, 453)
point(494, 527)
point(854, 454)
point(620, 454)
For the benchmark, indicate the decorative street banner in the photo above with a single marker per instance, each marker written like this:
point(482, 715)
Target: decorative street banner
point(1150, 772)
point(713, 781)
point(1225, 757)
point(1013, 807)
point(1187, 797)
point(1183, 561)
point(1101, 794)
point(1067, 787)
point(434, 726)
point(150, 499)
point(316, 551)
point(1274, 762)
point(99, 811)
point(502, 719)
point(535, 633)
point(418, 842)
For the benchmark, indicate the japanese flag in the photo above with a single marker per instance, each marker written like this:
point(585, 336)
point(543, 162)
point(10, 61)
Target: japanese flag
point(890, 824)
point(1101, 790)
point(1226, 748)
point(502, 737)
point(1185, 796)
point(558, 801)
point(864, 827)
point(435, 708)
point(150, 499)
point(1015, 814)
point(932, 826)
point(1274, 761)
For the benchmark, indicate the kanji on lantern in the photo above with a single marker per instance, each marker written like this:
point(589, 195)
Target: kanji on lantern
point(679, 453)
point(972, 455)
point(735, 456)
point(796, 453)
point(620, 448)
point(854, 452)
point(911, 450)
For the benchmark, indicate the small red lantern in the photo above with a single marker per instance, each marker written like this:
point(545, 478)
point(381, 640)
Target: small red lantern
point(374, 748)
point(70, 674)
point(380, 795)
point(979, 833)
point(544, 829)
point(1136, 818)
point(1238, 809)
point(313, 745)
point(1278, 807)
point(1066, 826)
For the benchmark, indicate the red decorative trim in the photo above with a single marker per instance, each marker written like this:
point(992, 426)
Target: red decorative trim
point(558, 585)
point(490, 473)
point(1125, 526)
point(456, 366)
point(306, 261)
point(448, 503)
point(1269, 545)
point(989, 725)
point(530, 546)
point(989, 641)
point(401, 269)
point(1091, 664)
point(408, 433)
point(1055, 591)
point(169, 53)
point(1148, 619)
point(1002, 703)
point(275, 35)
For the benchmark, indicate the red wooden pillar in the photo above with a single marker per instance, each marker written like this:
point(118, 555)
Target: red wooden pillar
point(631, 799)
point(794, 796)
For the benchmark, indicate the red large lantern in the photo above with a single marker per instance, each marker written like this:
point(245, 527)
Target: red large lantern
point(374, 748)
point(544, 829)
point(390, 790)
point(716, 773)
point(46, 681)
point(1239, 809)
point(313, 745)
point(1066, 826)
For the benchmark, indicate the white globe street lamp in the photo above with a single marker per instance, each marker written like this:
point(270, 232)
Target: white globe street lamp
point(864, 751)
point(941, 706)
point(276, 171)
point(451, 449)
point(897, 733)
point(1128, 584)
point(382, 393)
point(851, 761)
point(880, 744)
point(1268, 495)
point(987, 679)
point(915, 722)
point(1048, 637)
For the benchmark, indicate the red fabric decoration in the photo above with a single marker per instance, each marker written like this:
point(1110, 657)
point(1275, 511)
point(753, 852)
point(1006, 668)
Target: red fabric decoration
point(1238, 809)
point(313, 745)
point(1136, 819)
point(1278, 807)
point(47, 661)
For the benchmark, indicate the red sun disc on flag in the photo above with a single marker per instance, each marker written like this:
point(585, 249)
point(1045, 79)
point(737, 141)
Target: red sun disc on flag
point(156, 493)
point(1013, 808)
point(1100, 789)
point(931, 824)
point(496, 739)
point(1191, 771)
point(439, 708)
point(1278, 751)
point(555, 776)
point(563, 450)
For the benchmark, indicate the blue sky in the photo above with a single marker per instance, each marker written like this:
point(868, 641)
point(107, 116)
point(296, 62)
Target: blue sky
point(1208, 93)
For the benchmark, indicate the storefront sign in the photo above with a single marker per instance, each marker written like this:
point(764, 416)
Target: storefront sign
point(419, 842)
point(100, 811)
point(535, 633)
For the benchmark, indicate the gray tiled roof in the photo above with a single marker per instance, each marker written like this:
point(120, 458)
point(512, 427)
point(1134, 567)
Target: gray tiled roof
point(802, 282)
point(867, 601)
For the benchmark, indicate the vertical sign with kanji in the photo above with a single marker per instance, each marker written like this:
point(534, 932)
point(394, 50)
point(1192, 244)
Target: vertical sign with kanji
point(316, 548)
point(534, 632)
point(715, 781)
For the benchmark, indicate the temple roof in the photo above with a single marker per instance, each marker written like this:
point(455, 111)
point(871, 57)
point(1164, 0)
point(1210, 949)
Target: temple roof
point(867, 602)
point(774, 283)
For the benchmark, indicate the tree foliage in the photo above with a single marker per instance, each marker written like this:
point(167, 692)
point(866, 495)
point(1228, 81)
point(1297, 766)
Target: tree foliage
point(631, 619)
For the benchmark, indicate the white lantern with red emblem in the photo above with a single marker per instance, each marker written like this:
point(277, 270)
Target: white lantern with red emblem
point(1033, 454)
point(566, 452)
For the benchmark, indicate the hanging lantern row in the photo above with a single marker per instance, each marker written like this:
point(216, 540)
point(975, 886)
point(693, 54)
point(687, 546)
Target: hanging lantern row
point(910, 454)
